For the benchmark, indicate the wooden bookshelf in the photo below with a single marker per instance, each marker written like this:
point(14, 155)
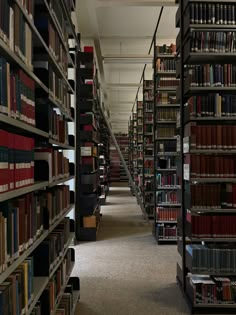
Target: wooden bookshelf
point(208, 186)
point(33, 204)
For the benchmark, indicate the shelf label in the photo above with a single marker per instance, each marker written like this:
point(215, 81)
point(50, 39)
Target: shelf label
point(186, 172)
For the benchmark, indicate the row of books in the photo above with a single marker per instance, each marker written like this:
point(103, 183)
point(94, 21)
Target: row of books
point(165, 146)
point(51, 38)
point(148, 84)
point(23, 220)
point(149, 198)
point(167, 114)
point(17, 292)
point(148, 107)
point(169, 197)
point(20, 34)
point(148, 171)
point(148, 128)
point(148, 118)
point(165, 65)
point(165, 231)
point(167, 214)
point(166, 131)
point(213, 42)
point(148, 96)
point(57, 165)
point(213, 75)
point(213, 226)
point(165, 98)
point(16, 161)
point(47, 254)
point(167, 179)
point(213, 290)
point(213, 136)
point(149, 185)
point(58, 127)
point(58, 14)
point(212, 13)
point(212, 105)
point(49, 297)
point(167, 162)
point(213, 196)
point(17, 93)
point(166, 49)
point(212, 166)
point(213, 259)
point(167, 81)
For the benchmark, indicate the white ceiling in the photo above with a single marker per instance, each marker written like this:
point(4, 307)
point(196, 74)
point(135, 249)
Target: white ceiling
point(124, 28)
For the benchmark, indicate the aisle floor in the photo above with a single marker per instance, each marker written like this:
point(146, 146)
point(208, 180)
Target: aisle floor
point(125, 272)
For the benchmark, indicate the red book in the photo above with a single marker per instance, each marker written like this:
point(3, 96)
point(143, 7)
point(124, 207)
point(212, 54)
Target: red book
point(88, 49)
point(4, 162)
point(11, 145)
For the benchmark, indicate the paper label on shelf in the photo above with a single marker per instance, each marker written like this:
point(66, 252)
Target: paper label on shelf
point(186, 145)
point(186, 172)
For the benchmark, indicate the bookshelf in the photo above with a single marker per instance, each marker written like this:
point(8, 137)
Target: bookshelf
point(167, 180)
point(37, 158)
point(133, 146)
point(118, 173)
point(148, 147)
point(207, 243)
point(104, 159)
point(88, 214)
point(139, 109)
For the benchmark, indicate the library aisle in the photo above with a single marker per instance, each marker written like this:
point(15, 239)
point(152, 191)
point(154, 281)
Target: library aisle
point(124, 272)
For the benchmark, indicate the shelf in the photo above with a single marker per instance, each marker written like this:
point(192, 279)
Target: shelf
point(211, 151)
point(214, 239)
point(212, 210)
point(171, 56)
point(166, 169)
point(166, 138)
point(166, 122)
point(4, 119)
point(12, 57)
point(167, 154)
point(4, 275)
point(165, 221)
point(165, 89)
point(213, 180)
point(41, 40)
point(21, 191)
point(167, 105)
point(165, 73)
point(61, 145)
point(61, 181)
point(39, 284)
point(76, 296)
point(168, 188)
point(164, 204)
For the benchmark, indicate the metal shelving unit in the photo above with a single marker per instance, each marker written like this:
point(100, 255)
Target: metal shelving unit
point(165, 162)
point(191, 271)
point(41, 138)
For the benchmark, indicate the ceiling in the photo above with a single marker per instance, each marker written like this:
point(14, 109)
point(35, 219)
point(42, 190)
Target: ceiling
point(121, 32)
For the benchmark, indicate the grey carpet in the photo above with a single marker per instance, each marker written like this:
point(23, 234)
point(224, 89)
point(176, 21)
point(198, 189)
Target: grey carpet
point(125, 272)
